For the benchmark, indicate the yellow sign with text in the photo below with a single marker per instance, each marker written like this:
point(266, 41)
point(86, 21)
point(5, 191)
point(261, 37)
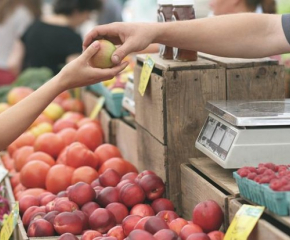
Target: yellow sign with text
point(145, 74)
point(244, 222)
point(9, 223)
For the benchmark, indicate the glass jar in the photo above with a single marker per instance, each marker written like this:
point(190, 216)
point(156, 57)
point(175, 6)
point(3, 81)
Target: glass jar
point(183, 10)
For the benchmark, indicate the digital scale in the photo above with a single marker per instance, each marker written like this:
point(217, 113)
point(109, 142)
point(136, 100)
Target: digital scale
point(246, 133)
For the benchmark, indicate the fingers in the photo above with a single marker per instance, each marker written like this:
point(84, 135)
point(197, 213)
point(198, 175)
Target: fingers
point(122, 51)
point(91, 50)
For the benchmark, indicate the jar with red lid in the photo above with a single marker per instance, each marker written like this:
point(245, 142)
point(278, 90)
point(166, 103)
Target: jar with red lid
point(183, 10)
point(165, 15)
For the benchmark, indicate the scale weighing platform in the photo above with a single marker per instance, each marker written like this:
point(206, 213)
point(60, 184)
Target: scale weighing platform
point(246, 133)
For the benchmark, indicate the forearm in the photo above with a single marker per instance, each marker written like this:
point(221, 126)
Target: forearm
point(239, 35)
point(15, 120)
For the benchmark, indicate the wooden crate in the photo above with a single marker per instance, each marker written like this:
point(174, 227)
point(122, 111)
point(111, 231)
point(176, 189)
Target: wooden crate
point(251, 79)
point(171, 113)
point(195, 189)
point(126, 141)
point(264, 230)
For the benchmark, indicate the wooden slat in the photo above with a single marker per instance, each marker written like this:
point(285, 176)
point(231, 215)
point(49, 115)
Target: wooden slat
point(171, 65)
point(107, 124)
point(90, 100)
point(126, 141)
point(222, 177)
point(151, 153)
point(238, 62)
point(196, 189)
point(256, 83)
point(263, 230)
point(150, 109)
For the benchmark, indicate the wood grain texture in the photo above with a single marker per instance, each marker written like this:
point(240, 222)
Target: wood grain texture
point(126, 141)
point(263, 230)
point(108, 126)
point(256, 83)
point(150, 109)
point(222, 177)
point(196, 189)
point(151, 153)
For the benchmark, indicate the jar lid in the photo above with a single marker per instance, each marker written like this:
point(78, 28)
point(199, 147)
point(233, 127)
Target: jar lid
point(164, 2)
point(182, 2)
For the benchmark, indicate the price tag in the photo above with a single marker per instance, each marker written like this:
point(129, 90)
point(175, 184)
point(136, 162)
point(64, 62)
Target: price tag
point(10, 223)
point(97, 108)
point(244, 222)
point(3, 173)
point(145, 74)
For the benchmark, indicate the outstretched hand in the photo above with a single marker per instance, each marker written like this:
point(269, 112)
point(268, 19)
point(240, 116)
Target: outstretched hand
point(131, 37)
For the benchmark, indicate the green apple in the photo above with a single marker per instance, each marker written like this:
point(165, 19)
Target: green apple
point(102, 59)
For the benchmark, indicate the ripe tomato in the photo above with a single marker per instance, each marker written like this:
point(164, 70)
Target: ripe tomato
point(49, 143)
point(118, 164)
point(90, 135)
point(84, 174)
point(78, 155)
point(41, 156)
point(59, 178)
point(21, 155)
point(107, 151)
point(33, 174)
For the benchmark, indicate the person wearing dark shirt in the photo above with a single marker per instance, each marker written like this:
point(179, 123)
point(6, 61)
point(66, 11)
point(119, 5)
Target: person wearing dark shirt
point(52, 41)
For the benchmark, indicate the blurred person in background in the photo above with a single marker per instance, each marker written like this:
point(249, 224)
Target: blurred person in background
point(220, 7)
point(15, 17)
point(52, 40)
point(111, 12)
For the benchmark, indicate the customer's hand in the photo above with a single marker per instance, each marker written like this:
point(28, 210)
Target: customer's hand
point(79, 73)
point(132, 37)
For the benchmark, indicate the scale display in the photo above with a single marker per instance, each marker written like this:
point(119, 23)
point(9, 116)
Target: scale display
point(217, 137)
point(246, 133)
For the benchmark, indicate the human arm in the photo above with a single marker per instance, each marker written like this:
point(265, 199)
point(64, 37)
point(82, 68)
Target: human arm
point(246, 35)
point(15, 120)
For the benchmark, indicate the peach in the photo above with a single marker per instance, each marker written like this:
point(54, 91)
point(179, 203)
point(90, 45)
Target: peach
point(96, 183)
point(166, 234)
point(37, 215)
point(29, 212)
point(143, 173)
point(208, 215)
point(67, 236)
point(89, 207)
point(152, 185)
point(26, 202)
point(167, 216)
point(116, 232)
point(40, 228)
point(16, 94)
point(161, 204)
point(105, 238)
point(141, 223)
point(189, 229)
point(81, 193)
point(142, 210)
point(50, 216)
point(61, 124)
point(109, 178)
point(84, 217)
point(102, 59)
point(139, 234)
point(129, 176)
point(90, 235)
point(198, 236)
point(177, 224)
point(123, 182)
point(154, 224)
point(108, 195)
point(216, 235)
point(62, 194)
point(131, 194)
point(68, 135)
point(97, 190)
point(63, 206)
point(129, 223)
point(68, 222)
point(102, 220)
point(46, 199)
point(119, 210)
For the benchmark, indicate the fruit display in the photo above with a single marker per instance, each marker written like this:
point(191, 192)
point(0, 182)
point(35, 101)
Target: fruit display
point(267, 185)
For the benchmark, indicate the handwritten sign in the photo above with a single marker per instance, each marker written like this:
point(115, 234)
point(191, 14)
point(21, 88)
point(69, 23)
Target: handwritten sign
point(10, 223)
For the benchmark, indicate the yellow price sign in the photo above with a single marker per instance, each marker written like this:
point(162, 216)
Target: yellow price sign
point(244, 222)
point(97, 108)
point(145, 74)
point(10, 223)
